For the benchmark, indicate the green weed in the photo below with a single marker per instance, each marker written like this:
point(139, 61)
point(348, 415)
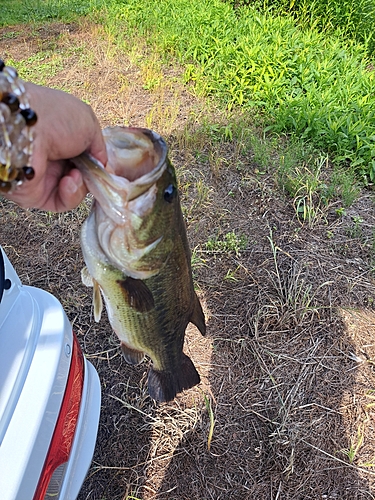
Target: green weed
point(346, 185)
point(356, 19)
point(151, 75)
point(197, 262)
point(39, 67)
point(262, 149)
point(340, 211)
point(355, 231)
point(202, 192)
point(231, 275)
point(296, 296)
point(46, 63)
point(230, 243)
point(304, 183)
point(356, 444)
point(307, 83)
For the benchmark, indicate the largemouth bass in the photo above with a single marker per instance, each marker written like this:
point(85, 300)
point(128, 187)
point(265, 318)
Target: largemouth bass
point(137, 256)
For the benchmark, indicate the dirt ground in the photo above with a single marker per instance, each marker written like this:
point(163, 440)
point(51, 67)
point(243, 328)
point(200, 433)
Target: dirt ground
point(287, 364)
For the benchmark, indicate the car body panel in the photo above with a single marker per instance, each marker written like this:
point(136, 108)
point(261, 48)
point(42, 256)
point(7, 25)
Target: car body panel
point(36, 342)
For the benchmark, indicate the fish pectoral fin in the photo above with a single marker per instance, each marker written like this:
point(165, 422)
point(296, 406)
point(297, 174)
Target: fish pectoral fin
point(136, 294)
point(163, 385)
point(97, 301)
point(131, 356)
point(197, 317)
point(86, 277)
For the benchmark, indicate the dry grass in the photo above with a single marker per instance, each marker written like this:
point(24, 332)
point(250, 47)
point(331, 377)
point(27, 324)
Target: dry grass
point(288, 363)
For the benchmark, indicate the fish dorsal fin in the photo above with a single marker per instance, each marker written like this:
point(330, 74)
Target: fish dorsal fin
point(197, 317)
point(136, 294)
point(131, 356)
point(97, 301)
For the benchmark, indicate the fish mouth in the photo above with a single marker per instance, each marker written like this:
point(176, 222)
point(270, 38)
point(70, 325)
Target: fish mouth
point(134, 152)
point(136, 160)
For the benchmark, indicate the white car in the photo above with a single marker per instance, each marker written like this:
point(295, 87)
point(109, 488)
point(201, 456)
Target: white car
point(49, 396)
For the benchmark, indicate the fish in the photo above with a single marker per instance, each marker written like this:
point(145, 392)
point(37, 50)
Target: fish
point(137, 256)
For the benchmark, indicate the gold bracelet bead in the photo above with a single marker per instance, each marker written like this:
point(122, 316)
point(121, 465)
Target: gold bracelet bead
point(16, 133)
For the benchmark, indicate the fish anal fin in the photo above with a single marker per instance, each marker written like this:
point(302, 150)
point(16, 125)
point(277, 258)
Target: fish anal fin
point(131, 356)
point(197, 317)
point(163, 385)
point(97, 301)
point(136, 294)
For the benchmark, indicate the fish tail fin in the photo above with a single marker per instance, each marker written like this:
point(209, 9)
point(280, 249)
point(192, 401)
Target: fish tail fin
point(197, 317)
point(163, 386)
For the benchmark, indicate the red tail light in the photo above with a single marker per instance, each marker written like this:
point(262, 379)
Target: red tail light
point(63, 435)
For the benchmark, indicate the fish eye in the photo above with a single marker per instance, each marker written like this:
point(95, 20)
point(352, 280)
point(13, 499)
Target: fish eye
point(170, 193)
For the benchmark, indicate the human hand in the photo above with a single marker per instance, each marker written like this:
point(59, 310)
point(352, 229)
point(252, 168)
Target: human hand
point(66, 127)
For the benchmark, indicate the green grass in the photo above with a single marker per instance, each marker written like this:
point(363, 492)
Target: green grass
point(38, 68)
point(46, 63)
point(306, 83)
point(309, 84)
point(355, 18)
point(38, 11)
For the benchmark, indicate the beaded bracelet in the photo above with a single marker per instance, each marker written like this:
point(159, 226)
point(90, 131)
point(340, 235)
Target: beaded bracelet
point(16, 132)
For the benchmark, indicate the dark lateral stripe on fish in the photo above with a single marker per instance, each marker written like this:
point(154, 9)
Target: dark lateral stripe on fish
point(163, 386)
point(136, 294)
point(130, 355)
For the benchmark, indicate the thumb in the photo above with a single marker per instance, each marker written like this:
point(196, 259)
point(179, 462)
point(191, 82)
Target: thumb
point(70, 192)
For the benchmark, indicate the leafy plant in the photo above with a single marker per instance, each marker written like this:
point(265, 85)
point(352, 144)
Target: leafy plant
point(231, 242)
point(308, 83)
point(355, 231)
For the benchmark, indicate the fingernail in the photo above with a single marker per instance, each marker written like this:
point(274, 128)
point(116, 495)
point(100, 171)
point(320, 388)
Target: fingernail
point(71, 186)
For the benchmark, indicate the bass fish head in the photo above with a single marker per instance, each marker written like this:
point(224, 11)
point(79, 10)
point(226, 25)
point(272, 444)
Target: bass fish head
point(136, 200)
